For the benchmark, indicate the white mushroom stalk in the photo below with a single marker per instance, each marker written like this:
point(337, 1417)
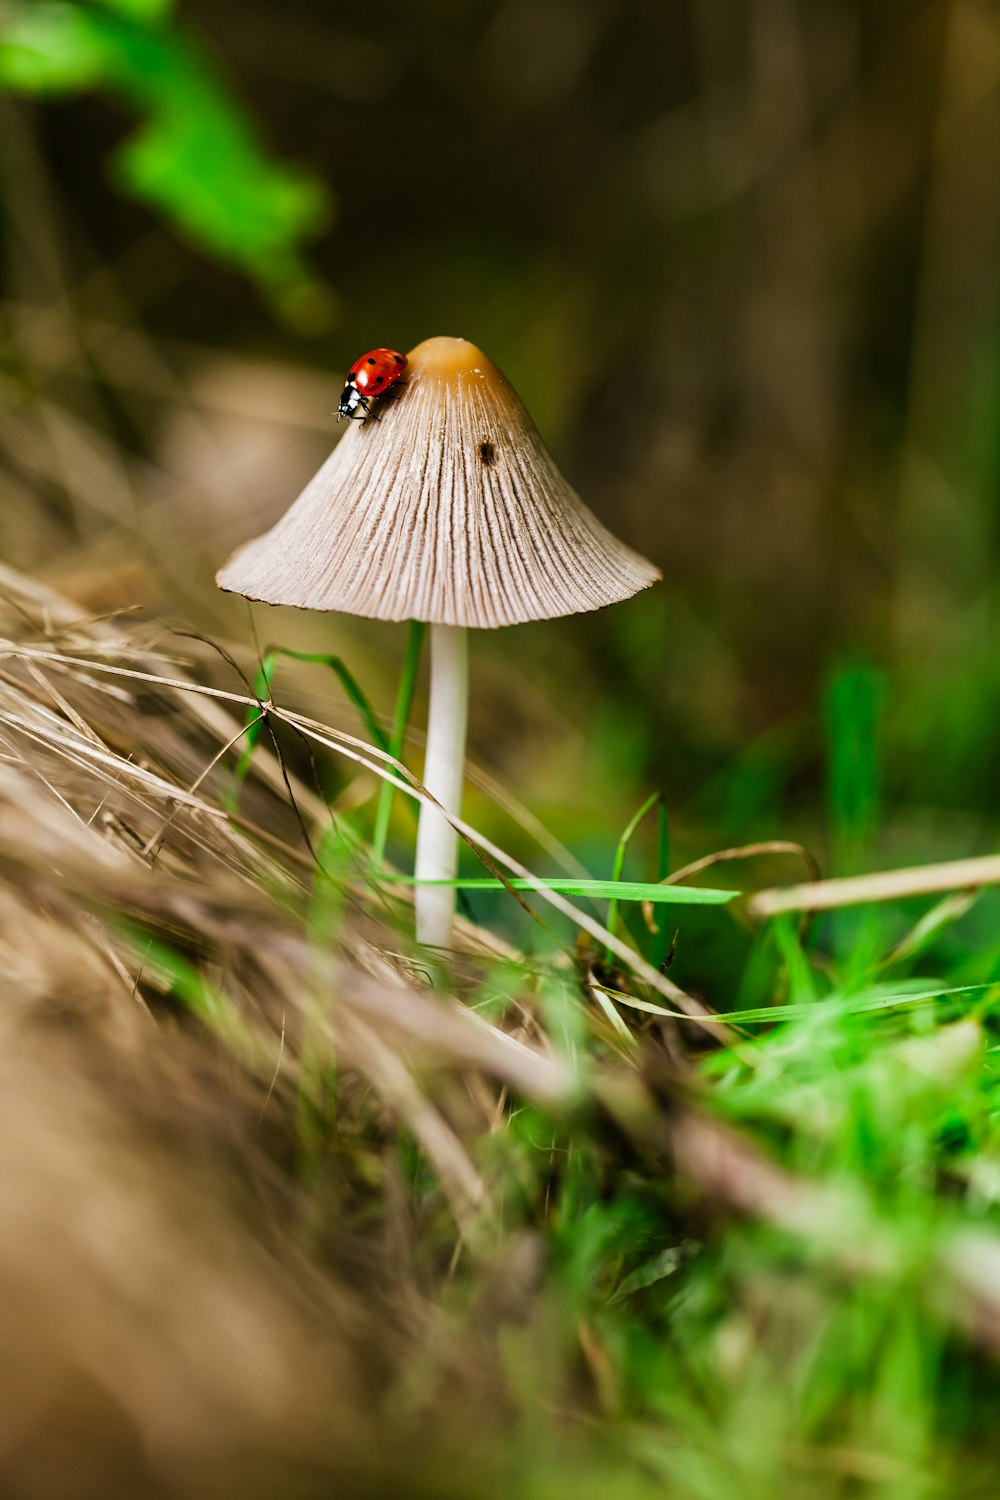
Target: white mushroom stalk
point(448, 508)
point(444, 776)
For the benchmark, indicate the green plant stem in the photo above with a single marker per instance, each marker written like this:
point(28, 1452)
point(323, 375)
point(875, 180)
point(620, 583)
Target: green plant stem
point(401, 719)
point(619, 861)
point(262, 690)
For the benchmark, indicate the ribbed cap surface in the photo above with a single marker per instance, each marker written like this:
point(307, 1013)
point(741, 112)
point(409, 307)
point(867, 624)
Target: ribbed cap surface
point(448, 508)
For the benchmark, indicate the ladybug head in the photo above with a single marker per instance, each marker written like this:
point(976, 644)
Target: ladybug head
point(350, 400)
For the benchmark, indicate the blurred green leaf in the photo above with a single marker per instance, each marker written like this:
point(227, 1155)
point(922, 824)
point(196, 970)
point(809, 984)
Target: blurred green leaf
point(139, 10)
point(196, 157)
point(51, 49)
point(853, 720)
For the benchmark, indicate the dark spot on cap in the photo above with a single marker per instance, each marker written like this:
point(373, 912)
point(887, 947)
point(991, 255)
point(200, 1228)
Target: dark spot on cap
point(487, 452)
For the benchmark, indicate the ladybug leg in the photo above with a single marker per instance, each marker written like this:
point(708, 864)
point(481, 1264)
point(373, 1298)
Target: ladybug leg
point(388, 397)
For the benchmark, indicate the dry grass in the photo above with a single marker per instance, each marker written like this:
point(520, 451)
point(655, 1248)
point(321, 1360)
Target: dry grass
point(222, 1261)
point(256, 1241)
point(177, 1310)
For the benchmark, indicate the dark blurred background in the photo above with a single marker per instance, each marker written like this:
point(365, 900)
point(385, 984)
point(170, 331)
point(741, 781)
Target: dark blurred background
point(740, 257)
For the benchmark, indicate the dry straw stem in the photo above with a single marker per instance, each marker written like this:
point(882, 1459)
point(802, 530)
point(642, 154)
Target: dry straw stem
point(155, 710)
point(448, 508)
point(885, 885)
point(756, 850)
point(98, 830)
point(379, 764)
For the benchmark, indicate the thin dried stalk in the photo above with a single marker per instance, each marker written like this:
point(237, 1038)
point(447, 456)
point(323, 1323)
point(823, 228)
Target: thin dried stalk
point(885, 885)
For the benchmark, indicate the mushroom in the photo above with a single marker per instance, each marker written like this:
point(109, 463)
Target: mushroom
point(444, 506)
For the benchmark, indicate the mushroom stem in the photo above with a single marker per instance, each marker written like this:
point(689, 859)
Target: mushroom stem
point(444, 768)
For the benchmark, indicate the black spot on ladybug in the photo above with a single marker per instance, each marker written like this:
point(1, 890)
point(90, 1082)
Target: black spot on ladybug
point(399, 359)
point(487, 452)
point(379, 379)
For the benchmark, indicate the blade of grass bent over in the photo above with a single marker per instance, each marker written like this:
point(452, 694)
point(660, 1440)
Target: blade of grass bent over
point(597, 890)
point(878, 999)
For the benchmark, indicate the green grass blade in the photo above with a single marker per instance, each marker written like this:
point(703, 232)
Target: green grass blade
point(401, 719)
point(854, 715)
point(663, 850)
point(874, 1000)
point(633, 1001)
point(598, 890)
point(254, 727)
point(351, 687)
point(262, 689)
point(621, 1030)
point(854, 702)
point(662, 939)
point(619, 860)
point(930, 926)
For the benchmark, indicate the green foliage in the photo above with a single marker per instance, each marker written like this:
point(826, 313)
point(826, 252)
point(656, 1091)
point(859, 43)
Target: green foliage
point(612, 891)
point(140, 10)
point(397, 741)
point(254, 721)
point(790, 1325)
point(196, 157)
point(805, 1352)
point(853, 717)
point(622, 850)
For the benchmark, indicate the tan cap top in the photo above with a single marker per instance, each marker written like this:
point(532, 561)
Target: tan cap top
point(448, 508)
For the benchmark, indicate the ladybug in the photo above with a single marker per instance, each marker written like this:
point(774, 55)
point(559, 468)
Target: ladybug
point(368, 377)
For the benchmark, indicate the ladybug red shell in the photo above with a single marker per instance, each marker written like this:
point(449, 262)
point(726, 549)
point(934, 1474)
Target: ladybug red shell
point(368, 377)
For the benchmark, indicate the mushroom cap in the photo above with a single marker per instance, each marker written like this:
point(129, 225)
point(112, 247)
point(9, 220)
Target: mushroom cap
point(447, 508)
